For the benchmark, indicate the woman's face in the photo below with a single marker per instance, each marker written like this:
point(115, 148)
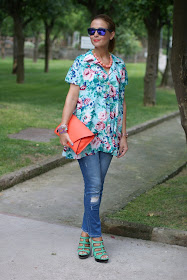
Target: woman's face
point(101, 41)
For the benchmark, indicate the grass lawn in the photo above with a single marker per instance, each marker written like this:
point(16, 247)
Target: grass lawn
point(39, 103)
point(163, 206)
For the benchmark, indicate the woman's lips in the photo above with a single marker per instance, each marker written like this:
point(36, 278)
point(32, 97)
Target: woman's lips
point(96, 40)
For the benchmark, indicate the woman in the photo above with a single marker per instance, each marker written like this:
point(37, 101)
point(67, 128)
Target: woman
point(96, 96)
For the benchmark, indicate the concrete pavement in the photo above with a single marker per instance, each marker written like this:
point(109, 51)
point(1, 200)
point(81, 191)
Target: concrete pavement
point(40, 218)
point(38, 250)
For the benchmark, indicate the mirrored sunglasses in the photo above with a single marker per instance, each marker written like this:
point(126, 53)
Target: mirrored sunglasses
point(100, 31)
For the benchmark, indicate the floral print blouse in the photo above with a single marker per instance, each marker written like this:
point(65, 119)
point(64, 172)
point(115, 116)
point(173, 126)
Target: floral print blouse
point(100, 102)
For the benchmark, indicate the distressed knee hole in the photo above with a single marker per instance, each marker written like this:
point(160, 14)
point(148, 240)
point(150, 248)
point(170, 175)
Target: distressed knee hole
point(94, 199)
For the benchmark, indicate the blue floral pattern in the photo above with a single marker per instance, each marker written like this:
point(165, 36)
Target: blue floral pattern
point(100, 102)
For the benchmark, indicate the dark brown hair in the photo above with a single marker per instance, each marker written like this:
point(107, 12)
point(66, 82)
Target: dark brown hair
point(111, 26)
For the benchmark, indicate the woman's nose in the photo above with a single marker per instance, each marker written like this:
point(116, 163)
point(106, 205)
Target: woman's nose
point(96, 34)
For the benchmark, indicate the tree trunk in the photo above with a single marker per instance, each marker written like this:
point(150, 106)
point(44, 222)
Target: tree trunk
point(151, 66)
point(179, 58)
point(3, 38)
point(47, 46)
point(35, 52)
point(15, 54)
point(167, 80)
point(18, 29)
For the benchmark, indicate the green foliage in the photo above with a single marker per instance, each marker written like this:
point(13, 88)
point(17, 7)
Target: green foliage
point(143, 9)
point(34, 28)
point(41, 47)
point(6, 26)
point(24, 9)
point(50, 10)
point(126, 42)
point(77, 20)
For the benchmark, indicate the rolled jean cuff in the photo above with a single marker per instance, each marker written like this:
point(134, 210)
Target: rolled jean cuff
point(93, 236)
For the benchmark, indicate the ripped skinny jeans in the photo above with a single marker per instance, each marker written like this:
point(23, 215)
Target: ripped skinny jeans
point(94, 169)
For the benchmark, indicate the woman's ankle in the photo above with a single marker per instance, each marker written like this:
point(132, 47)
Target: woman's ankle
point(84, 234)
point(97, 239)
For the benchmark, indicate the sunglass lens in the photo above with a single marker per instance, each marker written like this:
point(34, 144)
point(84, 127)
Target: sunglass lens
point(91, 31)
point(101, 31)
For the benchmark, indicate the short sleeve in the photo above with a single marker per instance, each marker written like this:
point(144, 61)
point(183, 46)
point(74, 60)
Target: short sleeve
point(126, 76)
point(74, 74)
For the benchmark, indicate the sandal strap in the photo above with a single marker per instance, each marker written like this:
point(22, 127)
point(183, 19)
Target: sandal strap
point(84, 242)
point(99, 253)
point(93, 241)
point(84, 248)
point(85, 237)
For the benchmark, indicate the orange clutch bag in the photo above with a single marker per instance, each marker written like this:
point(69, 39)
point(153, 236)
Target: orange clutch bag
point(79, 134)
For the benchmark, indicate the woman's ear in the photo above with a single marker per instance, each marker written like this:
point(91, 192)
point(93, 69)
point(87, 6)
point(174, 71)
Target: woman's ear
point(112, 34)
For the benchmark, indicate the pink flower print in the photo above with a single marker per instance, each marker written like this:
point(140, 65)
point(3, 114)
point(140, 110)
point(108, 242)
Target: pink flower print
point(108, 146)
point(113, 142)
point(108, 129)
point(83, 87)
point(119, 121)
point(123, 75)
point(79, 104)
point(105, 95)
point(88, 74)
point(100, 126)
point(95, 142)
point(104, 75)
point(119, 137)
point(89, 57)
point(112, 91)
point(77, 156)
point(112, 115)
point(117, 79)
point(87, 101)
point(86, 118)
point(102, 116)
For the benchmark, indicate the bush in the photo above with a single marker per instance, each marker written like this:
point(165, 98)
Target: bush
point(127, 42)
point(29, 45)
point(41, 47)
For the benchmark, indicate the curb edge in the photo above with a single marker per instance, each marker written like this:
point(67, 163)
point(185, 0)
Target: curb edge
point(145, 232)
point(25, 173)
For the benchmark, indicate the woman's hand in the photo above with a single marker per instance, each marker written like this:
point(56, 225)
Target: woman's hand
point(64, 139)
point(123, 147)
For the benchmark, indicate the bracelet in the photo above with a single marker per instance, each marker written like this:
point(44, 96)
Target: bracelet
point(125, 134)
point(62, 129)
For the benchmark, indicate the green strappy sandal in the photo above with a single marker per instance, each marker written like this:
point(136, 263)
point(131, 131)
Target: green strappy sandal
point(84, 249)
point(102, 251)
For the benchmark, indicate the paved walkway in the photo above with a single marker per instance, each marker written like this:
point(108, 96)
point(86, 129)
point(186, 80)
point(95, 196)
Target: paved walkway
point(40, 219)
point(42, 251)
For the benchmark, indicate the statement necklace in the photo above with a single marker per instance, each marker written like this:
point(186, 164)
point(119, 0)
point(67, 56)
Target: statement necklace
point(100, 62)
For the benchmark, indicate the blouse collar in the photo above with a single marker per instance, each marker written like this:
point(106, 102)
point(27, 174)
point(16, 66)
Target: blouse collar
point(91, 58)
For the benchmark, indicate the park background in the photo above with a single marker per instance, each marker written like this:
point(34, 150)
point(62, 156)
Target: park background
point(39, 41)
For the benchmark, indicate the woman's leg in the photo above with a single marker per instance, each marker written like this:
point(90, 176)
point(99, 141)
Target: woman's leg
point(105, 160)
point(94, 169)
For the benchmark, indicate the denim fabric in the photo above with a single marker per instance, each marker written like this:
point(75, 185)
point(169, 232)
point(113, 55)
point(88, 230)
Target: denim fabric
point(94, 169)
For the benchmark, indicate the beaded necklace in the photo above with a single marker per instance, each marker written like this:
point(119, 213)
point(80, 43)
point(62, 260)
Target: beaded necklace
point(100, 62)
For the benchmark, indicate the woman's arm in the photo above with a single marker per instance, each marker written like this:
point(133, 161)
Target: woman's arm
point(69, 107)
point(123, 147)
